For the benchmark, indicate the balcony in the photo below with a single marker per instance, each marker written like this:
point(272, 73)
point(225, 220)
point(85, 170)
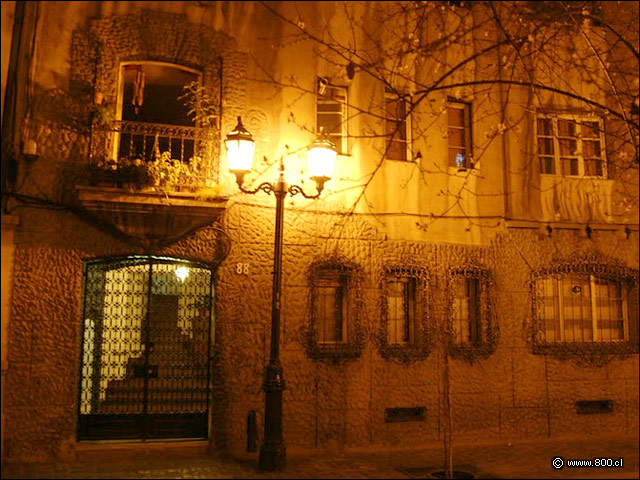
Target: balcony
point(153, 183)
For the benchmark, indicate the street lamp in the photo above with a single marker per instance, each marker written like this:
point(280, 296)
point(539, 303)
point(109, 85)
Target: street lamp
point(321, 158)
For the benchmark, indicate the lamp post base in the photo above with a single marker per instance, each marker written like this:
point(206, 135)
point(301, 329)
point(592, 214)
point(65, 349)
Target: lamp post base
point(273, 454)
point(273, 457)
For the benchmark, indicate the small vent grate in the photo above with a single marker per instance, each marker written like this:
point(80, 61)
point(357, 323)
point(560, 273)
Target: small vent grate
point(405, 414)
point(588, 407)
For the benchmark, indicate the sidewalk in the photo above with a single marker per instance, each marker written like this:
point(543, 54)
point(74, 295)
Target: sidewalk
point(531, 459)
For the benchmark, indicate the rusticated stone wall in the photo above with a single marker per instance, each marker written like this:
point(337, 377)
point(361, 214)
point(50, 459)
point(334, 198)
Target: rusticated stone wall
point(512, 394)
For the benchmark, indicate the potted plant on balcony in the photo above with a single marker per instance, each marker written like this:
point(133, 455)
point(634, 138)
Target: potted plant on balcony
point(126, 173)
point(163, 174)
point(169, 174)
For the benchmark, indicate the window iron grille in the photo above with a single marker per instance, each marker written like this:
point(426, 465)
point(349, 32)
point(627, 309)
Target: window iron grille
point(584, 308)
point(406, 333)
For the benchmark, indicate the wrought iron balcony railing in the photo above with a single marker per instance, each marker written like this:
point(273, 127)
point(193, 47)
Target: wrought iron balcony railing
point(118, 144)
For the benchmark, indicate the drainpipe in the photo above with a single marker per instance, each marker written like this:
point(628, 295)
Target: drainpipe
point(16, 101)
point(505, 146)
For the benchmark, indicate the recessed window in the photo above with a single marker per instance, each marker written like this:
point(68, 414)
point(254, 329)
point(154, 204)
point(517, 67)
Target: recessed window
point(401, 305)
point(336, 306)
point(331, 112)
point(474, 329)
point(459, 134)
point(396, 127)
point(331, 308)
point(467, 324)
point(585, 308)
point(571, 146)
point(404, 329)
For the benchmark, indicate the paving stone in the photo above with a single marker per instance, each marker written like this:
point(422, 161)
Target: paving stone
point(490, 460)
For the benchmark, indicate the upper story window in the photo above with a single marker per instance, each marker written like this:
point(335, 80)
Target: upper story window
point(397, 127)
point(331, 113)
point(567, 13)
point(459, 134)
point(571, 146)
point(586, 308)
point(148, 64)
point(154, 113)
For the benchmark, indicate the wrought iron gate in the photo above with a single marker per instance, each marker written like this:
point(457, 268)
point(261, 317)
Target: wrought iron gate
point(145, 365)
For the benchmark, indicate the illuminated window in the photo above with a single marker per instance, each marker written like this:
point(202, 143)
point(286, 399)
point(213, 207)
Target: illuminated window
point(331, 308)
point(571, 146)
point(459, 134)
point(586, 308)
point(331, 112)
point(397, 127)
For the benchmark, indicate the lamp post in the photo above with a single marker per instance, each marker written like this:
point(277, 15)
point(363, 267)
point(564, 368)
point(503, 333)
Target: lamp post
point(321, 157)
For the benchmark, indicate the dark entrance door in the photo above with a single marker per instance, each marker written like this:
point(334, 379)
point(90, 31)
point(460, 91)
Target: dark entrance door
point(145, 356)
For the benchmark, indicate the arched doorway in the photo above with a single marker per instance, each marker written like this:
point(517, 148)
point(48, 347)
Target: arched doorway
point(145, 363)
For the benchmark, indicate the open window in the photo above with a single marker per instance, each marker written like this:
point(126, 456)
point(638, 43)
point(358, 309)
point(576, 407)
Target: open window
point(153, 112)
point(397, 127)
point(331, 113)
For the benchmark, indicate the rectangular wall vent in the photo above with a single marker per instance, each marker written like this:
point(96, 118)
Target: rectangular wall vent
point(588, 407)
point(405, 414)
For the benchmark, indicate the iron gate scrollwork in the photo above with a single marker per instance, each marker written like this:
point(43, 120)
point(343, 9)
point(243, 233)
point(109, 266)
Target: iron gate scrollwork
point(145, 363)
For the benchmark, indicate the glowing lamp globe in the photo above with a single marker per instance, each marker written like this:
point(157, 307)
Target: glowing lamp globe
point(240, 147)
point(321, 159)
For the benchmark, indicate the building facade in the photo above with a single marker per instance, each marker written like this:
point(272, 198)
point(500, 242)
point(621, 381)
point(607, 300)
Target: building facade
point(474, 257)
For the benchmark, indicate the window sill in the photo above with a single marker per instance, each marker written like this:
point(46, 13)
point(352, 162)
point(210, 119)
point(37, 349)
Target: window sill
point(572, 177)
point(463, 171)
point(397, 160)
